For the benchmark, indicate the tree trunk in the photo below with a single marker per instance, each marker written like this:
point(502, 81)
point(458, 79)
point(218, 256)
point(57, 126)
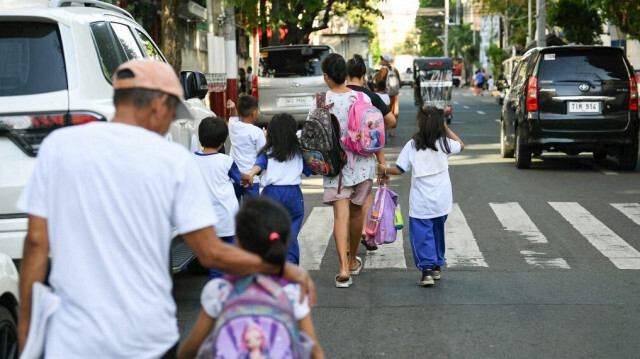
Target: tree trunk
point(171, 44)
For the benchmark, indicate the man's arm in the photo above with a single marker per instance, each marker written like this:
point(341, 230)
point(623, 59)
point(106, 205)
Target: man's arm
point(33, 268)
point(212, 252)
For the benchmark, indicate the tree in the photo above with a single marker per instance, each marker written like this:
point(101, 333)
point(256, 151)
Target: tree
point(625, 14)
point(514, 15)
point(299, 18)
point(461, 40)
point(171, 44)
point(579, 19)
point(496, 55)
point(429, 28)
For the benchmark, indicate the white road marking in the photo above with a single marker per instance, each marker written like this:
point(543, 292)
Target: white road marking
point(388, 255)
point(481, 112)
point(465, 106)
point(456, 102)
point(462, 248)
point(619, 252)
point(314, 237)
point(631, 210)
point(514, 219)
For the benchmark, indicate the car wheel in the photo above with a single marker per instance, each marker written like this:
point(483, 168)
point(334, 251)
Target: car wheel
point(8, 335)
point(505, 150)
point(522, 153)
point(628, 157)
point(599, 155)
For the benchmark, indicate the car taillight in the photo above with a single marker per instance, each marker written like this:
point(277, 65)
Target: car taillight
point(532, 94)
point(28, 131)
point(633, 93)
point(448, 109)
point(254, 86)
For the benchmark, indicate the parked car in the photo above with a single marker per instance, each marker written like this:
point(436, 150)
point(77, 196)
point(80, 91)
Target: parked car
point(406, 77)
point(9, 301)
point(288, 78)
point(56, 64)
point(572, 99)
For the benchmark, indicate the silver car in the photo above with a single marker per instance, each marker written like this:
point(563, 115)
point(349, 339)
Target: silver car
point(288, 78)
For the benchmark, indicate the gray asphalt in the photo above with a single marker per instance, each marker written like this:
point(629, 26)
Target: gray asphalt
point(508, 309)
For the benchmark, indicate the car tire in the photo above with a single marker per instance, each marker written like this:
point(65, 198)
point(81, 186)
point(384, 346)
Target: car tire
point(505, 150)
point(522, 152)
point(628, 157)
point(8, 334)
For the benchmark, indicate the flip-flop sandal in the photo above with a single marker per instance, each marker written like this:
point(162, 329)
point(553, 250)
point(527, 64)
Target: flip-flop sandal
point(357, 270)
point(344, 283)
point(367, 246)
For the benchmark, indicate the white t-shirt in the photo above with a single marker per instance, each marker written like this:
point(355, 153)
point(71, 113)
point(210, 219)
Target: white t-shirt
point(111, 194)
point(430, 195)
point(216, 292)
point(220, 172)
point(364, 167)
point(385, 98)
point(285, 173)
point(246, 141)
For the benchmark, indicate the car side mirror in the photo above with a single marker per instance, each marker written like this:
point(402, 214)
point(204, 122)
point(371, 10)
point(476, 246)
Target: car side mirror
point(502, 85)
point(194, 84)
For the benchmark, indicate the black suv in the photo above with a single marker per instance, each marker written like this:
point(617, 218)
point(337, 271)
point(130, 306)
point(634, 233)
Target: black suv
point(571, 99)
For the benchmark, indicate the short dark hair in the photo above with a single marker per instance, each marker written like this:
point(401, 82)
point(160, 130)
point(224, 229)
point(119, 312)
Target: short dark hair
point(335, 67)
point(381, 85)
point(263, 227)
point(356, 66)
point(139, 97)
point(212, 132)
point(246, 104)
point(249, 68)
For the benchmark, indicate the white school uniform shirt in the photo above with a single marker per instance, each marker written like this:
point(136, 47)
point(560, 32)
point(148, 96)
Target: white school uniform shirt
point(246, 141)
point(430, 195)
point(220, 172)
point(111, 194)
point(364, 167)
point(217, 291)
point(385, 98)
point(285, 173)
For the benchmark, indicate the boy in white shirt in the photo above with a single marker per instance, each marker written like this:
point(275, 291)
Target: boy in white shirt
point(246, 141)
point(220, 174)
point(382, 92)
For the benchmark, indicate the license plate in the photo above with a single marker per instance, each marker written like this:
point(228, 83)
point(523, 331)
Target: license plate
point(295, 101)
point(584, 107)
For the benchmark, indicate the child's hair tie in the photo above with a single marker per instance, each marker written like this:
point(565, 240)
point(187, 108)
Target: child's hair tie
point(274, 236)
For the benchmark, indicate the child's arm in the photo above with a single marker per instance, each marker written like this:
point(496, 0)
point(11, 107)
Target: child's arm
point(382, 161)
point(231, 106)
point(453, 136)
point(306, 325)
point(191, 344)
point(384, 170)
point(261, 164)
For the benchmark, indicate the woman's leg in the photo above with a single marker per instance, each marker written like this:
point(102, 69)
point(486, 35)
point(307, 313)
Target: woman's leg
point(341, 232)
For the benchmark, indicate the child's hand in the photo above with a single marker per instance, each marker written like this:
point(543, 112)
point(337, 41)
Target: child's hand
point(230, 105)
point(381, 168)
point(247, 180)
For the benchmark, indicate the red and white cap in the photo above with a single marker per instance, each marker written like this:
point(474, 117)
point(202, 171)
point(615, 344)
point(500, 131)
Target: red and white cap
point(153, 75)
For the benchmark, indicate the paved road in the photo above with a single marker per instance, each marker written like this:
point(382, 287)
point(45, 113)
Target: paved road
point(542, 263)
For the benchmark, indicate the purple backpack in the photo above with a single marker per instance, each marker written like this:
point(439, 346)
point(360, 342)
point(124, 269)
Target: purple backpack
point(380, 228)
point(257, 318)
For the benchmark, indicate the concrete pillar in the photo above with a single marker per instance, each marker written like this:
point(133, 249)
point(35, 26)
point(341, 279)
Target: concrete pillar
point(230, 55)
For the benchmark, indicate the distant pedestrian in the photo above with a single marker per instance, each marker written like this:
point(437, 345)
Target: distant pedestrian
point(430, 198)
point(249, 81)
point(382, 92)
point(262, 228)
point(385, 62)
point(282, 163)
point(479, 83)
point(246, 140)
point(103, 200)
point(490, 84)
point(220, 173)
point(242, 81)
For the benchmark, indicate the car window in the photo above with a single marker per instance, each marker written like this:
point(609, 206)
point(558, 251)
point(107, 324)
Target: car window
point(582, 65)
point(148, 46)
point(520, 73)
point(31, 59)
point(291, 63)
point(128, 42)
point(109, 51)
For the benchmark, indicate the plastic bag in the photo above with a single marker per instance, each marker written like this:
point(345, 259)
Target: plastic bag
point(380, 228)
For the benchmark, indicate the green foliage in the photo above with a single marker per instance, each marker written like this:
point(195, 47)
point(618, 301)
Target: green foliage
point(429, 29)
point(625, 14)
point(579, 19)
point(515, 13)
point(496, 55)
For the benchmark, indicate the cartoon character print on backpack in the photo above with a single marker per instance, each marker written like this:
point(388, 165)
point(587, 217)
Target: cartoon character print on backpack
point(365, 129)
point(256, 321)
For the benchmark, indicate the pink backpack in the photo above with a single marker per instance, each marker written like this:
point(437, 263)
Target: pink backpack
point(365, 129)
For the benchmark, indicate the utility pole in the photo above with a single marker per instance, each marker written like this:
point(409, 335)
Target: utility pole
point(528, 23)
point(542, 22)
point(446, 28)
point(230, 56)
point(457, 12)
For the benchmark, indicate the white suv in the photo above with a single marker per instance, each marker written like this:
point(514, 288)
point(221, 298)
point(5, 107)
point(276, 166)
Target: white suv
point(56, 62)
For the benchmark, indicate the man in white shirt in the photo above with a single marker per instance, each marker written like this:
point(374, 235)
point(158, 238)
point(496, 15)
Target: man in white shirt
point(102, 202)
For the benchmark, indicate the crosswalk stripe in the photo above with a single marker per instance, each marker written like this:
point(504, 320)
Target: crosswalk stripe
point(514, 219)
point(462, 248)
point(314, 237)
point(619, 252)
point(388, 255)
point(631, 210)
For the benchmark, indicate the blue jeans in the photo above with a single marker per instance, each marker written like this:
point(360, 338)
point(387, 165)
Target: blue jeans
point(427, 241)
point(214, 273)
point(290, 197)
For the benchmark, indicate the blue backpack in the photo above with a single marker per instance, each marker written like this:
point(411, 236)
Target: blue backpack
point(257, 318)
